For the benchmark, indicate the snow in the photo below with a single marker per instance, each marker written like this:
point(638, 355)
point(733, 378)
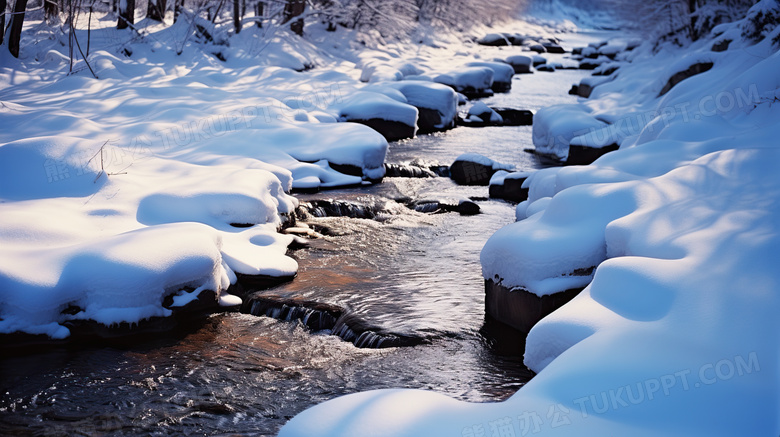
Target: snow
point(430, 96)
point(102, 209)
point(501, 71)
point(487, 162)
point(482, 112)
point(520, 63)
point(117, 192)
point(555, 126)
point(494, 38)
point(368, 105)
point(676, 331)
point(476, 78)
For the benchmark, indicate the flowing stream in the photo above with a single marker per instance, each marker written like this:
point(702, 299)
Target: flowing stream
point(239, 374)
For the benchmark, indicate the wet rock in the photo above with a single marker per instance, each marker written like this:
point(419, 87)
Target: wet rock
point(588, 84)
point(494, 40)
point(441, 170)
point(471, 173)
point(407, 171)
point(539, 60)
point(515, 117)
point(520, 63)
point(584, 155)
point(318, 316)
point(303, 231)
point(606, 69)
point(519, 308)
point(464, 207)
point(314, 315)
point(552, 47)
point(467, 207)
point(337, 208)
point(261, 282)
point(691, 71)
point(721, 45)
point(352, 170)
point(430, 121)
point(509, 186)
point(509, 117)
point(391, 130)
point(589, 65)
point(426, 207)
point(575, 90)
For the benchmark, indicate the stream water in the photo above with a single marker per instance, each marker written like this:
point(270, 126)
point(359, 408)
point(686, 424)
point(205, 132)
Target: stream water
point(239, 374)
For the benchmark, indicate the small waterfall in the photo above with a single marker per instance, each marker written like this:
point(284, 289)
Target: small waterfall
point(408, 171)
point(314, 315)
point(338, 208)
point(318, 316)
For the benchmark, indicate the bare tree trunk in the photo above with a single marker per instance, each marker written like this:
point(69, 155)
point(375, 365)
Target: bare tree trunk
point(237, 16)
point(126, 14)
point(17, 21)
point(292, 9)
point(259, 12)
point(155, 10)
point(177, 5)
point(50, 10)
point(3, 5)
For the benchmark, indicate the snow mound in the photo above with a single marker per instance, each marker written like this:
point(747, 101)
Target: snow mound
point(370, 105)
point(433, 96)
point(470, 79)
point(501, 71)
point(520, 63)
point(481, 112)
point(555, 126)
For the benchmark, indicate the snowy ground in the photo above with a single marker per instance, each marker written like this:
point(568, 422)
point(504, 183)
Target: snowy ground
point(119, 191)
point(677, 332)
point(115, 192)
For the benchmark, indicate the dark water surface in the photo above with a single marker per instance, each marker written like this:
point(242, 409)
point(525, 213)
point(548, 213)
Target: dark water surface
point(240, 374)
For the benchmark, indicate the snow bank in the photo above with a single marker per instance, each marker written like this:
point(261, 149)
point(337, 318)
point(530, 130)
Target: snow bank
point(122, 240)
point(119, 193)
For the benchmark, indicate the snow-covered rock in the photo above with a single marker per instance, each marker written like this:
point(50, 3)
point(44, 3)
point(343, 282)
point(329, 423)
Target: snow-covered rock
point(520, 63)
point(502, 74)
point(493, 39)
point(483, 113)
point(437, 104)
point(470, 81)
point(393, 119)
point(555, 126)
point(509, 186)
point(475, 169)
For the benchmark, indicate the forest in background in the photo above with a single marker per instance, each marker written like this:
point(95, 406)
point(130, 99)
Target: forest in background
point(674, 20)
